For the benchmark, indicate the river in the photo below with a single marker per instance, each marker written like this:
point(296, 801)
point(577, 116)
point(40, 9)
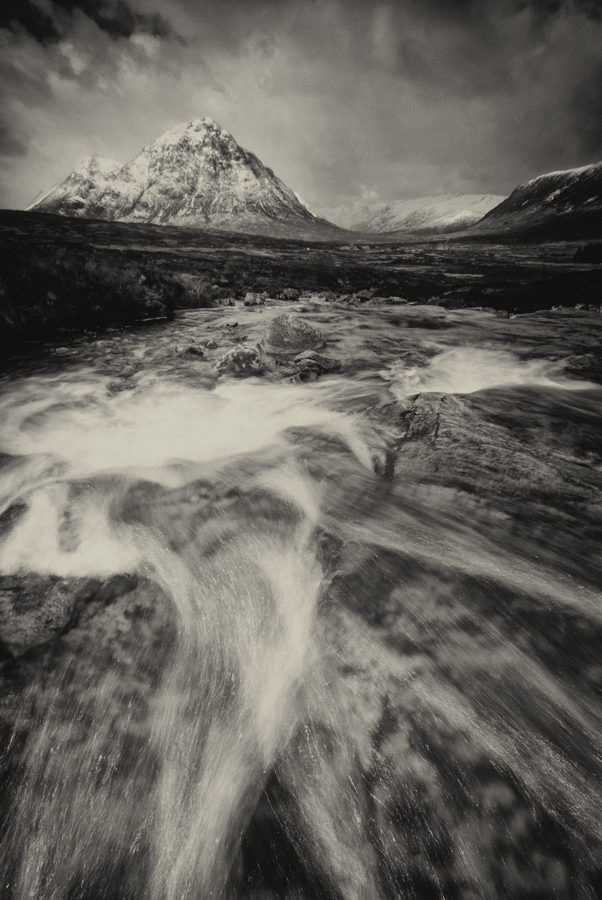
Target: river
point(288, 636)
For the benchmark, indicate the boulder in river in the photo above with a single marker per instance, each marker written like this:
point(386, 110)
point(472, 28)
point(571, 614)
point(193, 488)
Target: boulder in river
point(240, 361)
point(190, 350)
point(289, 333)
point(309, 365)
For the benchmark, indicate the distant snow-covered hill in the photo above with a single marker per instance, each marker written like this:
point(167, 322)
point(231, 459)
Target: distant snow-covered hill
point(193, 175)
point(441, 213)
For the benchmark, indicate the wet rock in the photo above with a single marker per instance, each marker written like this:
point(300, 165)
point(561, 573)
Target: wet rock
point(287, 332)
point(253, 299)
point(211, 345)
point(307, 366)
point(363, 296)
point(327, 363)
point(118, 385)
point(35, 609)
point(240, 361)
point(289, 294)
point(190, 350)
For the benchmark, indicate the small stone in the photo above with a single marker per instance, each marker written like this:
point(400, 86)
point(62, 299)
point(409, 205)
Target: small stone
point(211, 345)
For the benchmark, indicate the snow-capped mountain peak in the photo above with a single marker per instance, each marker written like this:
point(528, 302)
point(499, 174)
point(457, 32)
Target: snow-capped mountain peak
point(194, 174)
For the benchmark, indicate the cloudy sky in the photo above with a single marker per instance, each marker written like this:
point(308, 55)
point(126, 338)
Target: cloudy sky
point(349, 101)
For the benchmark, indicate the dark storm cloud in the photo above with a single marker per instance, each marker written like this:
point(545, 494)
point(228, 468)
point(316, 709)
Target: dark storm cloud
point(26, 15)
point(115, 17)
point(118, 19)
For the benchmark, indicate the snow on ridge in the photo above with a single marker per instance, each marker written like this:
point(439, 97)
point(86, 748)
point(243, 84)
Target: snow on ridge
point(561, 172)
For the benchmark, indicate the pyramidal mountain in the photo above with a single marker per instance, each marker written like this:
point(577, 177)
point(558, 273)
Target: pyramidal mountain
point(194, 175)
point(560, 204)
point(439, 214)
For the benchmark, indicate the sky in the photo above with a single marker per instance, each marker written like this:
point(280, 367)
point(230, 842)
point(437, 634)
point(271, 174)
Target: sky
point(352, 103)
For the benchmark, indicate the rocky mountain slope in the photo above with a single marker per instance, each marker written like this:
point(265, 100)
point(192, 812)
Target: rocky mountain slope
point(71, 195)
point(442, 213)
point(194, 175)
point(567, 203)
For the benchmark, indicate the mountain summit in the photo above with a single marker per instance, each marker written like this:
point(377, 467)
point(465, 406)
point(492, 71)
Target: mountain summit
point(194, 175)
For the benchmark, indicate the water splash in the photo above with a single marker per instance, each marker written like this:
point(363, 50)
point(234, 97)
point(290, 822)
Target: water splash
point(464, 370)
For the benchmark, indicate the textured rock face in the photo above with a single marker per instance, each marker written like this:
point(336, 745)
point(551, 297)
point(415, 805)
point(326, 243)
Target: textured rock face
point(195, 175)
point(287, 333)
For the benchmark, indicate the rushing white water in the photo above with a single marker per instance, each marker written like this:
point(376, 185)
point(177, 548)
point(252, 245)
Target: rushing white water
point(328, 682)
point(467, 369)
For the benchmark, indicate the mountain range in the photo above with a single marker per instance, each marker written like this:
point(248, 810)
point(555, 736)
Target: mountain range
point(196, 175)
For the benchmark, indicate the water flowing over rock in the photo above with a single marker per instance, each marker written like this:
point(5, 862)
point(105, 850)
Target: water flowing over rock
point(330, 640)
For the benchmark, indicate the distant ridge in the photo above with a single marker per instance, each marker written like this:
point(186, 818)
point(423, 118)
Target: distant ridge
point(194, 175)
point(438, 214)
